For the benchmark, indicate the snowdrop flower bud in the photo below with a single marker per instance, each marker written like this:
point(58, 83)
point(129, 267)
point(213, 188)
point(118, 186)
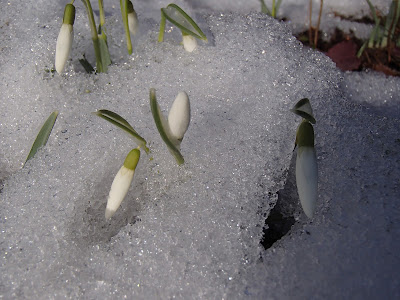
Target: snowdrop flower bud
point(65, 38)
point(179, 116)
point(189, 42)
point(133, 22)
point(122, 182)
point(306, 168)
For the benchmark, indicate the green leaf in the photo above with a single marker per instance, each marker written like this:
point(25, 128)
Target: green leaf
point(162, 27)
point(264, 8)
point(124, 13)
point(104, 53)
point(86, 65)
point(120, 122)
point(180, 19)
point(43, 135)
point(360, 52)
point(163, 129)
point(303, 108)
point(391, 23)
point(374, 15)
point(278, 4)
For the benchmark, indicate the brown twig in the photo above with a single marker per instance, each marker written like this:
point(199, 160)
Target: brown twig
point(318, 23)
point(310, 25)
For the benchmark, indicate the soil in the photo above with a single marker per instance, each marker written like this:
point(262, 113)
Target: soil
point(342, 49)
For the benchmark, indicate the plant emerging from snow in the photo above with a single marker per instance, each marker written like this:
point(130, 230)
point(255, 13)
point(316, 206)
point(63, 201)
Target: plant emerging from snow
point(306, 161)
point(384, 36)
point(65, 38)
point(124, 177)
point(190, 30)
point(274, 10)
point(130, 20)
point(173, 129)
point(122, 182)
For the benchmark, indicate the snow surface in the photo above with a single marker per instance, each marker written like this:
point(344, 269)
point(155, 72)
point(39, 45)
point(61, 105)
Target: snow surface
point(194, 231)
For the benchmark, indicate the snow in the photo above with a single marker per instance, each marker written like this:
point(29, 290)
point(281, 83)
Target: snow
point(194, 231)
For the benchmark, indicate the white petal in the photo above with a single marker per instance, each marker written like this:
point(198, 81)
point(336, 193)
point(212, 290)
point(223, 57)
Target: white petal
point(119, 188)
point(307, 179)
point(189, 43)
point(179, 116)
point(133, 23)
point(64, 45)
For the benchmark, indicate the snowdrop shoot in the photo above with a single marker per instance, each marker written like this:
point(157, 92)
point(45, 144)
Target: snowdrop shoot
point(190, 30)
point(65, 38)
point(132, 19)
point(306, 161)
point(179, 117)
point(122, 182)
point(173, 129)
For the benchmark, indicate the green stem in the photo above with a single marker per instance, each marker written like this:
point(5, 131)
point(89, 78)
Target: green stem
point(95, 37)
point(124, 13)
point(102, 16)
point(162, 27)
point(273, 9)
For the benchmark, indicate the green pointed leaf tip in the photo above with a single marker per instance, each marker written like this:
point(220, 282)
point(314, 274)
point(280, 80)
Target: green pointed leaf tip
point(130, 8)
point(305, 135)
point(303, 108)
point(69, 14)
point(121, 123)
point(43, 135)
point(183, 21)
point(132, 159)
point(158, 119)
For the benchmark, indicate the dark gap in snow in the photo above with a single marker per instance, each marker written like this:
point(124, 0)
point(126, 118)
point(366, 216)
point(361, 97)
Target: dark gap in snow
point(277, 225)
point(282, 217)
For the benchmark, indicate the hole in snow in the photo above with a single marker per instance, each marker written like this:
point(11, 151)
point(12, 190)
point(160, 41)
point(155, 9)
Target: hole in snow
point(282, 217)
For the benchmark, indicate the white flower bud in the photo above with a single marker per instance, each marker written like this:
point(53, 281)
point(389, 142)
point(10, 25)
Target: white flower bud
point(306, 168)
point(64, 45)
point(133, 22)
point(307, 179)
point(179, 116)
point(65, 38)
point(189, 42)
point(121, 183)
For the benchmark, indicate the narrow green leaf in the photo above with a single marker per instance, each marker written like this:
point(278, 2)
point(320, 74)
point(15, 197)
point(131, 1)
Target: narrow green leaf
point(360, 52)
point(162, 128)
point(180, 19)
point(43, 135)
point(374, 15)
point(121, 123)
point(162, 27)
point(104, 53)
point(392, 20)
point(124, 13)
point(264, 8)
point(278, 4)
point(86, 65)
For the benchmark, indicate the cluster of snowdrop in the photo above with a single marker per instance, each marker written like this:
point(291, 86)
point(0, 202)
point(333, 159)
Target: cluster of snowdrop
point(171, 130)
point(173, 13)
